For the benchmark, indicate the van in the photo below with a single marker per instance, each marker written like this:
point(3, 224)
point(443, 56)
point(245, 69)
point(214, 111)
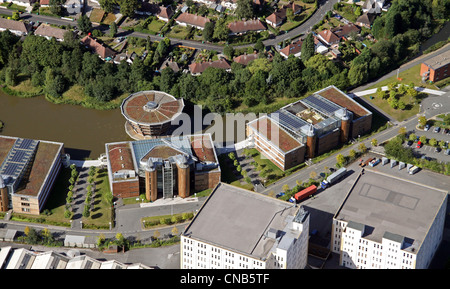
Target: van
point(447, 152)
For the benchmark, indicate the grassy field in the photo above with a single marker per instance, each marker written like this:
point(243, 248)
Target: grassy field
point(408, 76)
point(178, 31)
point(109, 18)
point(26, 89)
point(156, 25)
point(398, 114)
point(101, 212)
point(97, 15)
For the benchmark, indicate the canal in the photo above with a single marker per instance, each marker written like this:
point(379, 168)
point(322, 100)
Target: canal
point(83, 131)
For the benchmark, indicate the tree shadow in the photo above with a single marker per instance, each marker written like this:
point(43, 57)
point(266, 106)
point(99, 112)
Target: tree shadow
point(96, 216)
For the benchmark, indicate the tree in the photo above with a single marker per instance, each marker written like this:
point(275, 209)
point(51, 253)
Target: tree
point(27, 231)
point(156, 234)
point(308, 47)
point(127, 7)
point(422, 121)
point(15, 16)
point(358, 74)
point(340, 160)
point(56, 7)
point(423, 139)
point(313, 175)
point(259, 45)
point(221, 30)
point(113, 29)
point(107, 5)
point(374, 142)
point(412, 137)
point(244, 9)
point(402, 130)
point(175, 231)
point(84, 24)
point(208, 31)
point(352, 153)
point(433, 142)
point(362, 147)
point(285, 188)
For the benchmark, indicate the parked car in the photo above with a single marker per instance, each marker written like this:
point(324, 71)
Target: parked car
point(437, 150)
point(419, 144)
point(447, 152)
point(427, 127)
point(446, 130)
point(409, 143)
point(437, 129)
point(279, 195)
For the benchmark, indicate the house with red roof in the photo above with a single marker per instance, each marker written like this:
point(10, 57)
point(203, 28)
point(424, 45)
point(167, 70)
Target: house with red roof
point(278, 17)
point(245, 59)
point(198, 68)
point(185, 19)
point(292, 49)
point(242, 27)
point(105, 53)
point(328, 37)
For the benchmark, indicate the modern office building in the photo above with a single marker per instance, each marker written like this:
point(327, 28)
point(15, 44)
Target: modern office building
point(436, 68)
point(240, 229)
point(163, 167)
point(150, 113)
point(309, 127)
point(27, 173)
point(386, 222)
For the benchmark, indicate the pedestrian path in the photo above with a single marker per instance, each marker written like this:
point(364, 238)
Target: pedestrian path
point(384, 88)
point(169, 201)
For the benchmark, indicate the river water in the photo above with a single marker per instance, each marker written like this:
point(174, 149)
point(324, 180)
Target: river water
point(83, 131)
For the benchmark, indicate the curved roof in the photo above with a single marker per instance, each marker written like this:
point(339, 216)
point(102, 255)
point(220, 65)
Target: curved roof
point(151, 107)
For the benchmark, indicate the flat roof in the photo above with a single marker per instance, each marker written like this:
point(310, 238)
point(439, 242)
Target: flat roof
point(151, 107)
point(280, 139)
point(338, 97)
point(391, 205)
point(237, 219)
point(438, 60)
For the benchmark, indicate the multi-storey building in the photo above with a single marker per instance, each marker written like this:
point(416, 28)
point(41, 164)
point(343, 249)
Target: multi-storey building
point(150, 113)
point(163, 167)
point(436, 68)
point(309, 127)
point(27, 173)
point(388, 223)
point(240, 229)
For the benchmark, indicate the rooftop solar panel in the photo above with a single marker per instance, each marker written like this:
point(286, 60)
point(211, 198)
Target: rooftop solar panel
point(321, 104)
point(288, 120)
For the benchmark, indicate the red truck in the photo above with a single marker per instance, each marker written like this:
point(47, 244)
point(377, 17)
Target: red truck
point(305, 193)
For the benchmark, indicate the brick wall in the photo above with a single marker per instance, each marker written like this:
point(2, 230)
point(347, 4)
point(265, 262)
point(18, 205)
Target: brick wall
point(126, 189)
point(328, 141)
point(206, 180)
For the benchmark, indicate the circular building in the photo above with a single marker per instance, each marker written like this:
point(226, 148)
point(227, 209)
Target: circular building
point(150, 113)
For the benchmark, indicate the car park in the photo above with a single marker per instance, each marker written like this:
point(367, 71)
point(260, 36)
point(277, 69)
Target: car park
point(419, 144)
point(427, 127)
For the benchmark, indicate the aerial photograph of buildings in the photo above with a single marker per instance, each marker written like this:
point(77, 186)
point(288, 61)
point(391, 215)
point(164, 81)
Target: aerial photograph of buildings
point(224, 134)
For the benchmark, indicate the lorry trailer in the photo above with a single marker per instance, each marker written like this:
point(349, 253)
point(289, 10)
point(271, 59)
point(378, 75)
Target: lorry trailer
point(305, 193)
point(333, 178)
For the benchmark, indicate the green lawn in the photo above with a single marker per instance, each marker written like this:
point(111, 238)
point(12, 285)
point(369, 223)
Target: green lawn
point(97, 15)
point(101, 212)
point(178, 31)
point(406, 77)
point(109, 18)
point(156, 25)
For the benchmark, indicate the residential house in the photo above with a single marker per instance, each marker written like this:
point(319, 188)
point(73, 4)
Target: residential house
point(319, 47)
point(171, 64)
point(185, 19)
point(328, 37)
point(343, 31)
point(242, 27)
point(105, 53)
point(44, 3)
point(373, 6)
point(74, 7)
point(165, 13)
point(365, 20)
point(278, 17)
point(148, 9)
point(245, 59)
point(198, 68)
point(292, 49)
point(206, 2)
point(24, 3)
point(229, 4)
point(50, 32)
point(18, 28)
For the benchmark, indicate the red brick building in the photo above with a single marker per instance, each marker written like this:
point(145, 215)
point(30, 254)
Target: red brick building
point(436, 68)
point(162, 167)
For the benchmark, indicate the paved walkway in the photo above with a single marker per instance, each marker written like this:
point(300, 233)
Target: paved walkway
point(385, 88)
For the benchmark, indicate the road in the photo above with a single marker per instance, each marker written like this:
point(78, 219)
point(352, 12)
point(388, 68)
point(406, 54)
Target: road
point(324, 6)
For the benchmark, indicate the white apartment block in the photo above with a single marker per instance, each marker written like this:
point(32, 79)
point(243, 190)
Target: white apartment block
point(240, 229)
point(388, 223)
